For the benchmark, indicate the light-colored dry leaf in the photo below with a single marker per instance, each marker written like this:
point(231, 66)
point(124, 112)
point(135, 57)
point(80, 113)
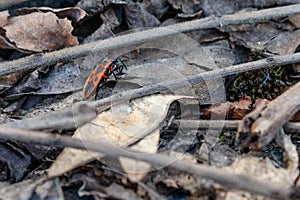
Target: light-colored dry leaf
point(137, 170)
point(264, 170)
point(38, 32)
point(75, 14)
point(120, 125)
point(4, 18)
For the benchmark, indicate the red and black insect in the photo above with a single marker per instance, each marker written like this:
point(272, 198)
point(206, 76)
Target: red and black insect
point(100, 74)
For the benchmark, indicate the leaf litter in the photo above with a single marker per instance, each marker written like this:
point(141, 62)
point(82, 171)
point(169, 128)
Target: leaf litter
point(30, 94)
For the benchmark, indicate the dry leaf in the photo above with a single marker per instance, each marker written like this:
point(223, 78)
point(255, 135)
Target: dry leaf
point(137, 170)
point(285, 43)
point(28, 189)
point(74, 14)
point(230, 110)
point(264, 170)
point(156, 7)
point(137, 16)
point(37, 32)
point(4, 18)
point(121, 125)
point(186, 6)
point(295, 20)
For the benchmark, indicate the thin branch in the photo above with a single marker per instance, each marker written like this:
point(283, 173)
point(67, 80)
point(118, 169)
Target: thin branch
point(70, 118)
point(260, 127)
point(69, 54)
point(229, 181)
point(226, 125)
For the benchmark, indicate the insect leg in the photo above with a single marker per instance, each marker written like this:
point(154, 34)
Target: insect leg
point(99, 86)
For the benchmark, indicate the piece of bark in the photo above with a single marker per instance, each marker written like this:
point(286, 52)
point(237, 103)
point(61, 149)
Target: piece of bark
point(260, 127)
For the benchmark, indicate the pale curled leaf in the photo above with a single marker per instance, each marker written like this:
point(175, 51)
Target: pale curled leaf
point(38, 32)
point(121, 125)
point(73, 13)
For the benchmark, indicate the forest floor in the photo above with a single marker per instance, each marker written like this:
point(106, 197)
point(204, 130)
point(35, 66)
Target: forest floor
point(157, 99)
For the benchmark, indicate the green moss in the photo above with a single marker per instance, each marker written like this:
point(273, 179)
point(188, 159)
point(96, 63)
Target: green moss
point(266, 83)
point(222, 138)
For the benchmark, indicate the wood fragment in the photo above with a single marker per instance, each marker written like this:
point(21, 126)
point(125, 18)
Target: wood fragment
point(136, 38)
point(229, 181)
point(50, 121)
point(259, 128)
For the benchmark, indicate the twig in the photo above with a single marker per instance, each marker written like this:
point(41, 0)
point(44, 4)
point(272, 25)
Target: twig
point(64, 119)
point(229, 181)
point(226, 125)
point(260, 127)
point(68, 54)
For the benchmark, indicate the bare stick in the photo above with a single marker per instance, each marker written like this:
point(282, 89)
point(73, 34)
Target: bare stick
point(71, 117)
point(261, 125)
point(68, 54)
point(226, 125)
point(229, 181)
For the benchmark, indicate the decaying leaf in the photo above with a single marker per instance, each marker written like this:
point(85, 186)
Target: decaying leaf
point(33, 189)
point(11, 80)
point(257, 37)
point(61, 79)
point(110, 22)
point(156, 7)
point(263, 169)
point(137, 16)
point(37, 32)
point(4, 18)
point(186, 6)
point(74, 14)
point(231, 110)
point(221, 7)
point(96, 6)
point(295, 20)
point(122, 125)
point(284, 43)
point(100, 188)
point(14, 162)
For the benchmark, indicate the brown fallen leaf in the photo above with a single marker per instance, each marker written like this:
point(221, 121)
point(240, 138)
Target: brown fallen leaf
point(230, 110)
point(74, 14)
point(37, 32)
